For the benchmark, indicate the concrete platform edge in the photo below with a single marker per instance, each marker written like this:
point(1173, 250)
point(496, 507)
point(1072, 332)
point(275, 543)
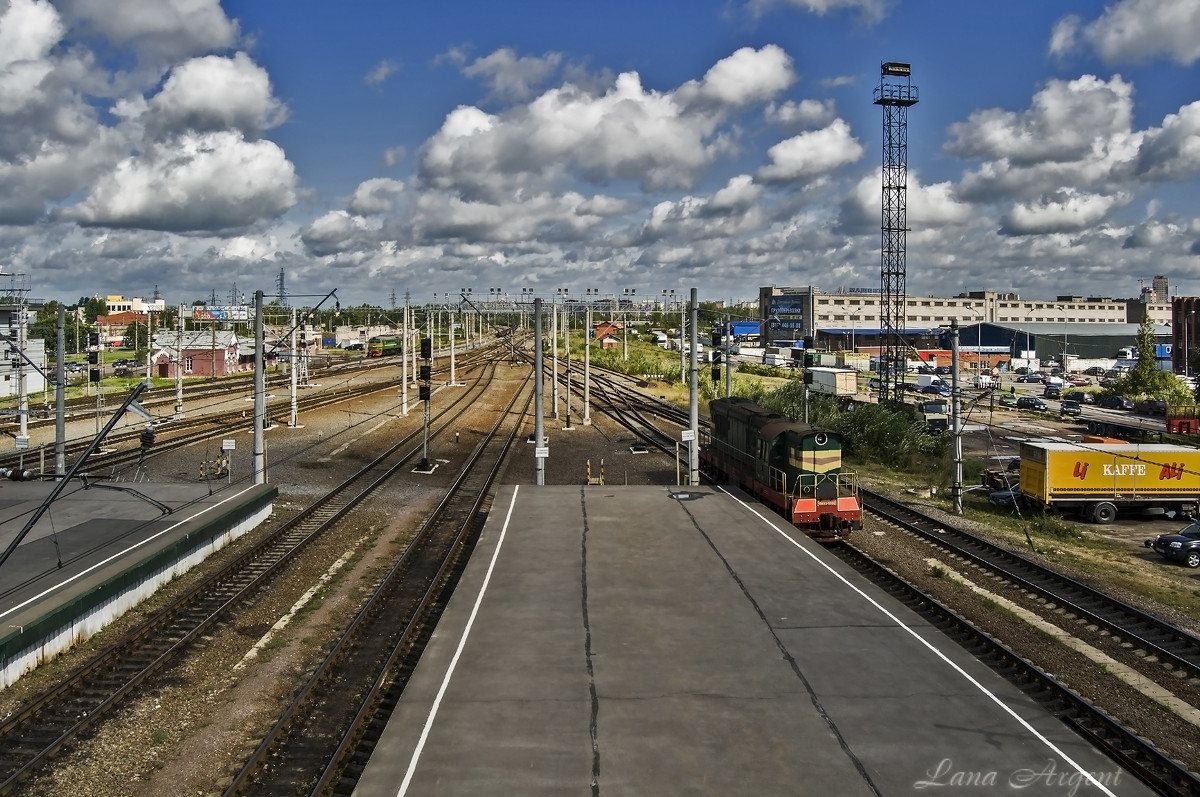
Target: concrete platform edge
point(77, 620)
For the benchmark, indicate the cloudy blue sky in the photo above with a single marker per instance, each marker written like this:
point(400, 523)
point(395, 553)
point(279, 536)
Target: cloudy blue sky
point(383, 148)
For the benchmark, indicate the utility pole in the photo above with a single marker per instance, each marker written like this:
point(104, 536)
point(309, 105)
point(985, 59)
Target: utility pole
point(293, 419)
point(567, 348)
point(260, 393)
point(694, 400)
point(539, 430)
point(22, 440)
point(554, 346)
point(956, 489)
point(405, 345)
point(179, 366)
point(587, 370)
point(60, 395)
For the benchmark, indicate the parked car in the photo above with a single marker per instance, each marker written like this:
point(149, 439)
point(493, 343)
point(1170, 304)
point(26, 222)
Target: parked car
point(1151, 406)
point(1182, 546)
point(1115, 403)
point(1030, 403)
point(1078, 381)
point(1008, 498)
point(875, 383)
point(1052, 391)
point(1029, 378)
point(1095, 370)
point(1070, 408)
point(1082, 396)
point(939, 389)
point(943, 370)
point(1008, 400)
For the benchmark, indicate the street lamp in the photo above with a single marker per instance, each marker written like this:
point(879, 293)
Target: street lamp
point(854, 325)
point(1187, 323)
point(1064, 351)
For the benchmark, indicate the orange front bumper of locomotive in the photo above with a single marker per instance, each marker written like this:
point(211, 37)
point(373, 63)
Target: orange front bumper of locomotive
point(810, 511)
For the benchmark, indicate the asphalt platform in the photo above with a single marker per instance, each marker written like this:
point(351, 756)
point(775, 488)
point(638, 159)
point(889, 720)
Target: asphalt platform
point(99, 549)
point(662, 641)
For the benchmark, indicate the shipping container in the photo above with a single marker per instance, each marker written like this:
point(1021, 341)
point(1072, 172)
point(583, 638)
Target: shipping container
point(1099, 480)
point(859, 361)
point(832, 381)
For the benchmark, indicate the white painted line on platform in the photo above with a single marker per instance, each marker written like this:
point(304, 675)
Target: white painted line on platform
point(462, 643)
point(967, 676)
point(121, 553)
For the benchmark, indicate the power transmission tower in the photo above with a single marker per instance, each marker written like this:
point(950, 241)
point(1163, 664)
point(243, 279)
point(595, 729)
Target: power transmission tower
point(895, 96)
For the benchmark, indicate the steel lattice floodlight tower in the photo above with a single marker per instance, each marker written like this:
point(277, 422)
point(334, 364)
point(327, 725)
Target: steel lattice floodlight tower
point(895, 97)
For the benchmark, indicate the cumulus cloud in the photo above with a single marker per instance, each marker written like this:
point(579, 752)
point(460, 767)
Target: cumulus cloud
point(731, 210)
point(376, 196)
point(380, 72)
point(870, 10)
point(336, 232)
point(1065, 122)
point(1132, 31)
point(393, 156)
point(627, 132)
point(217, 93)
point(513, 77)
point(930, 207)
point(745, 77)
point(809, 156)
point(1077, 134)
point(1067, 210)
point(803, 114)
point(242, 247)
point(199, 181)
point(157, 29)
point(1172, 151)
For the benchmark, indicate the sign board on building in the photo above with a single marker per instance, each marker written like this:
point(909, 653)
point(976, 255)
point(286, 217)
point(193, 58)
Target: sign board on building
point(231, 313)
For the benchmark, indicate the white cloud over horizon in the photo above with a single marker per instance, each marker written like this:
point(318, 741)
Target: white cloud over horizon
point(151, 135)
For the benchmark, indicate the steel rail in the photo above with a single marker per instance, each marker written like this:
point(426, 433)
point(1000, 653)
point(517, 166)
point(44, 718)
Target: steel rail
point(1141, 758)
point(1173, 646)
point(51, 719)
point(373, 647)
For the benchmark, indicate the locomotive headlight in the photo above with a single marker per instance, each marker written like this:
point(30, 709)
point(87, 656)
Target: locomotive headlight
point(821, 438)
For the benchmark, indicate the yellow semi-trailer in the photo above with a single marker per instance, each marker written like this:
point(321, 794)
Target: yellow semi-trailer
point(1097, 481)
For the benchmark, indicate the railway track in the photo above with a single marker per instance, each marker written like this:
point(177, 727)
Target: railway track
point(51, 720)
point(124, 446)
point(1170, 646)
point(1130, 750)
point(351, 694)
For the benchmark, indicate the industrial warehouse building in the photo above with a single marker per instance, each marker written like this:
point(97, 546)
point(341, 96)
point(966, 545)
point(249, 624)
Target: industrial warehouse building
point(990, 322)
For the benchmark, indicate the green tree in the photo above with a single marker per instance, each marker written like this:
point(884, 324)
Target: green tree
point(136, 337)
point(1146, 378)
point(93, 307)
